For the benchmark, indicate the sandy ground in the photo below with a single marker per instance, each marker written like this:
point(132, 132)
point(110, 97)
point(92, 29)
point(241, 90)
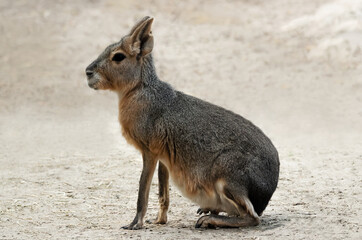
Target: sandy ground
point(292, 67)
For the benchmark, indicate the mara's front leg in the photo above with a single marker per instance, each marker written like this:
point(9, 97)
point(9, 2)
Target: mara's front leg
point(149, 165)
point(163, 190)
point(163, 194)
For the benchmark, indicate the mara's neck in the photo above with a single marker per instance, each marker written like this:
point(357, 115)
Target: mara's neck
point(148, 71)
point(148, 78)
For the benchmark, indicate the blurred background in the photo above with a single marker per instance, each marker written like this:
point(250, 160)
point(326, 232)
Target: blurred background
point(291, 67)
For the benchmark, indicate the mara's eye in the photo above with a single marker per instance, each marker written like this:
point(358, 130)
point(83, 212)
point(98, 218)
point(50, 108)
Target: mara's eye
point(118, 57)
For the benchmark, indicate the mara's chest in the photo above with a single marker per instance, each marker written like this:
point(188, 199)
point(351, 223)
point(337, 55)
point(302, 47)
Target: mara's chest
point(131, 120)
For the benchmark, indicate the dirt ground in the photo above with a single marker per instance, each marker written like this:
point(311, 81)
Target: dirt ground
point(291, 67)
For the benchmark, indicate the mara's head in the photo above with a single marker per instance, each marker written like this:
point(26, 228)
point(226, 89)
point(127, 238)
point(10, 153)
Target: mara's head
point(119, 66)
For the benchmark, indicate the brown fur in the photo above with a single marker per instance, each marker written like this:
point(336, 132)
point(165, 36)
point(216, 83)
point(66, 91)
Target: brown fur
point(128, 111)
point(215, 157)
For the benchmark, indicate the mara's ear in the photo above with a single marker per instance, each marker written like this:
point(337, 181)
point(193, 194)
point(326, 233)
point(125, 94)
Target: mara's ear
point(140, 40)
point(138, 24)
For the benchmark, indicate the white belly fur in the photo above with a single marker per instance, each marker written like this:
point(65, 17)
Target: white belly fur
point(212, 198)
point(206, 199)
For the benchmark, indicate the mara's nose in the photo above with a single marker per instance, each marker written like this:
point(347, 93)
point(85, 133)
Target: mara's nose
point(89, 72)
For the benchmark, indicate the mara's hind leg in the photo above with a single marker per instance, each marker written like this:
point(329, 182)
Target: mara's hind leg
point(239, 208)
point(213, 221)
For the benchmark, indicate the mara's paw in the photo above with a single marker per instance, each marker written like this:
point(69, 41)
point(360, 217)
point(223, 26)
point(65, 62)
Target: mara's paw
point(156, 221)
point(133, 226)
point(205, 222)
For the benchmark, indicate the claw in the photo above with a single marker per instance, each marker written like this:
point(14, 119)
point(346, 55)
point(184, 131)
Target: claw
point(204, 210)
